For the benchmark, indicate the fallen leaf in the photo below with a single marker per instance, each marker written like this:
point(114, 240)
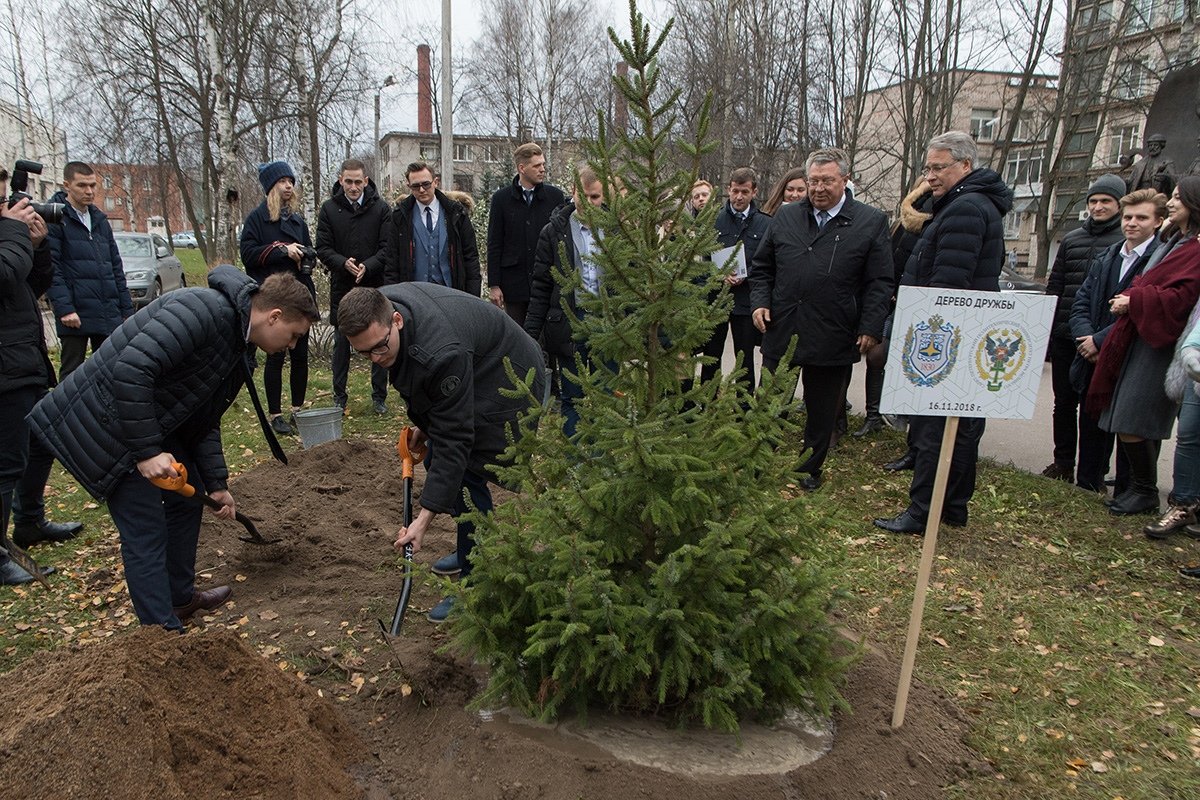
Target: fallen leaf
point(239, 578)
point(940, 640)
point(268, 615)
point(1072, 702)
point(1194, 712)
point(1076, 763)
point(405, 690)
point(90, 506)
point(1156, 642)
point(1052, 550)
point(957, 607)
point(1099, 767)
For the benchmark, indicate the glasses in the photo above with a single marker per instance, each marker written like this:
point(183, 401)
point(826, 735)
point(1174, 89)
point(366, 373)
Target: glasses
point(820, 182)
point(934, 169)
point(421, 186)
point(381, 347)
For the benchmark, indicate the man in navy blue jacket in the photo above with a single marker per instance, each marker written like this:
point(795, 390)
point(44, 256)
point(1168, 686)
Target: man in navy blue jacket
point(88, 294)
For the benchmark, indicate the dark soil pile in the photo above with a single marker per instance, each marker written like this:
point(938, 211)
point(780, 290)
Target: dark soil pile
point(313, 603)
point(157, 715)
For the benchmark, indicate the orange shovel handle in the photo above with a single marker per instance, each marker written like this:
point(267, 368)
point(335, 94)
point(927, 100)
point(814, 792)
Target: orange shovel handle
point(178, 483)
point(409, 455)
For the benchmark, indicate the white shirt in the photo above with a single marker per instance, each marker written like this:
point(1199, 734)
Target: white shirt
point(1130, 257)
point(84, 216)
point(435, 209)
point(832, 212)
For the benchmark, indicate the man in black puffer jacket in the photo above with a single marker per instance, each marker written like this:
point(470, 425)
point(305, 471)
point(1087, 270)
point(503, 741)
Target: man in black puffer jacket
point(352, 236)
point(1079, 248)
point(962, 247)
point(153, 395)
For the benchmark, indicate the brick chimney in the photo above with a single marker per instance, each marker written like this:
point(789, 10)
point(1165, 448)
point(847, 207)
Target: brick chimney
point(424, 90)
point(621, 107)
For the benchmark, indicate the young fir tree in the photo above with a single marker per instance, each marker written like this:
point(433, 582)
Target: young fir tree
point(655, 562)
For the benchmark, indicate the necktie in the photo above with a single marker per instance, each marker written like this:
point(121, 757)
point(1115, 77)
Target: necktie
point(272, 442)
point(428, 220)
point(528, 196)
point(741, 216)
point(822, 218)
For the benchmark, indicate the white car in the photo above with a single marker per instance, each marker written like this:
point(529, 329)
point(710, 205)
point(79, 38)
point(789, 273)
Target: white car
point(151, 266)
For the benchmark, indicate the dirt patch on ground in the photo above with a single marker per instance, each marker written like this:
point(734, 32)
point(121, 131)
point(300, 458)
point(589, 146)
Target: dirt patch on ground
point(157, 715)
point(312, 603)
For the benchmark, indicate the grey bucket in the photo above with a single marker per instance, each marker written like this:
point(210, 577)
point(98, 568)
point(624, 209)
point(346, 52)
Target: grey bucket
point(319, 425)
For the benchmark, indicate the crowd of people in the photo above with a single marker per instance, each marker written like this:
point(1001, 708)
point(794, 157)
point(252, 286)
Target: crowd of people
point(817, 272)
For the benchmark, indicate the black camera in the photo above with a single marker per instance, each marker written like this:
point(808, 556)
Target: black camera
point(51, 212)
point(308, 260)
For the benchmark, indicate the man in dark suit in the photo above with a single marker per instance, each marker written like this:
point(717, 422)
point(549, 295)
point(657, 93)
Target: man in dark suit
point(823, 273)
point(446, 354)
point(1111, 272)
point(962, 247)
point(518, 214)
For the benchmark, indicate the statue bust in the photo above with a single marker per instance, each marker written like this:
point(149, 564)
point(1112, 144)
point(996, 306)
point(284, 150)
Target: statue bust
point(1154, 170)
point(1194, 167)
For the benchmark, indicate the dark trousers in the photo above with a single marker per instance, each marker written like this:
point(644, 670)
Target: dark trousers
point(73, 350)
point(341, 372)
point(159, 531)
point(926, 437)
point(297, 377)
point(745, 338)
point(1066, 401)
point(517, 310)
point(14, 445)
point(481, 498)
point(1095, 454)
point(824, 396)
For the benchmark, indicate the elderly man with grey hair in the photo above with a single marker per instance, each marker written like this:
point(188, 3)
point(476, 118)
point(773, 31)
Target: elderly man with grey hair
point(962, 247)
point(822, 274)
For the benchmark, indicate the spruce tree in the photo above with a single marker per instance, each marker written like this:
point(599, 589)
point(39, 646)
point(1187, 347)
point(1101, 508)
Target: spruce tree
point(656, 562)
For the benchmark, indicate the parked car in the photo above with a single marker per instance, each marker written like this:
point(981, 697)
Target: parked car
point(151, 266)
point(1013, 281)
point(184, 239)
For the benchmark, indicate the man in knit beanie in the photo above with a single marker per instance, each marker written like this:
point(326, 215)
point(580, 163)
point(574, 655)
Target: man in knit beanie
point(1101, 229)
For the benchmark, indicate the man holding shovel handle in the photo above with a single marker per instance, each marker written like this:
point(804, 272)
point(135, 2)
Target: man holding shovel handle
point(151, 396)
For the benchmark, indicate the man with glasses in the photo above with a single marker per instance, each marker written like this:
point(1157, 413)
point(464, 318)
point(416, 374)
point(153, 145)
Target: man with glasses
point(432, 239)
point(962, 247)
point(445, 354)
point(823, 273)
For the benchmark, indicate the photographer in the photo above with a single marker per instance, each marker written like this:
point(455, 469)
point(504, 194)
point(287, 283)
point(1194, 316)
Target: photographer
point(275, 239)
point(25, 369)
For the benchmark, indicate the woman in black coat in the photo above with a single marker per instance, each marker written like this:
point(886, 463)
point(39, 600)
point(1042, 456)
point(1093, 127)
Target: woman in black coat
point(274, 239)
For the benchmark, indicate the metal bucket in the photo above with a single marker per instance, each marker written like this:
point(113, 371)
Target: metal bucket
point(319, 425)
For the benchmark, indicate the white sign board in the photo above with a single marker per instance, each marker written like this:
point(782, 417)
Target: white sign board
point(737, 253)
point(957, 353)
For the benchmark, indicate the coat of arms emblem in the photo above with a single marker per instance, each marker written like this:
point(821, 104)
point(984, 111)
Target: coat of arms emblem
point(930, 351)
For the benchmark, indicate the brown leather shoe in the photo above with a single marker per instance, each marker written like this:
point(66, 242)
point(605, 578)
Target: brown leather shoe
point(207, 600)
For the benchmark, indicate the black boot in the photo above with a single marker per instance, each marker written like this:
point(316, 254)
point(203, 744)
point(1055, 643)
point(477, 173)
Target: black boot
point(1142, 497)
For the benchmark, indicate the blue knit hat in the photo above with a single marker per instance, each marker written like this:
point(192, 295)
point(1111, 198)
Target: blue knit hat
point(269, 174)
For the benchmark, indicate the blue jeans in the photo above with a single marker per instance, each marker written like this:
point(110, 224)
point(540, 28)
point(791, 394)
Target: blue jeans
point(481, 498)
point(1187, 450)
point(159, 531)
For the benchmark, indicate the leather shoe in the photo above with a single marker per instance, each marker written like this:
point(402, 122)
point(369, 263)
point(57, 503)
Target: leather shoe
point(379, 406)
point(207, 600)
point(904, 522)
point(1135, 502)
point(906, 461)
point(872, 425)
point(1190, 572)
point(13, 575)
point(27, 534)
point(447, 565)
point(810, 483)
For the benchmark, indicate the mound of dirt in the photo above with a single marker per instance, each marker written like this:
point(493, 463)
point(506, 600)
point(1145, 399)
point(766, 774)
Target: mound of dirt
point(157, 715)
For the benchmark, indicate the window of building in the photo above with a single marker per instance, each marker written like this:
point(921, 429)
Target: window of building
point(1122, 140)
point(462, 152)
point(1012, 225)
point(983, 124)
point(1141, 15)
point(107, 182)
point(1174, 10)
point(1024, 167)
point(145, 183)
point(109, 204)
point(1029, 127)
point(464, 182)
point(492, 154)
point(430, 151)
point(1131, 80)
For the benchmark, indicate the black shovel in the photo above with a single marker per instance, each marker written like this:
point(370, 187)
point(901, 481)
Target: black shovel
point(179, 484)
point(408, 458)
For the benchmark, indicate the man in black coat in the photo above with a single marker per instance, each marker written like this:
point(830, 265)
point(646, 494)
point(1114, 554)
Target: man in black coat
point(518, 214)
point(25, 373)
point(432, 239)
point(739, 220)
point(1110, 274)
point(153, 395)
point(823, 274)
point(546, 322)
point(1079, 247)
point(445, 353)
point(352, 235)
point(962, 247)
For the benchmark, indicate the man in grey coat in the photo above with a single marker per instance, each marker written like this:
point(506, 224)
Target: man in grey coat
point(445, 351)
